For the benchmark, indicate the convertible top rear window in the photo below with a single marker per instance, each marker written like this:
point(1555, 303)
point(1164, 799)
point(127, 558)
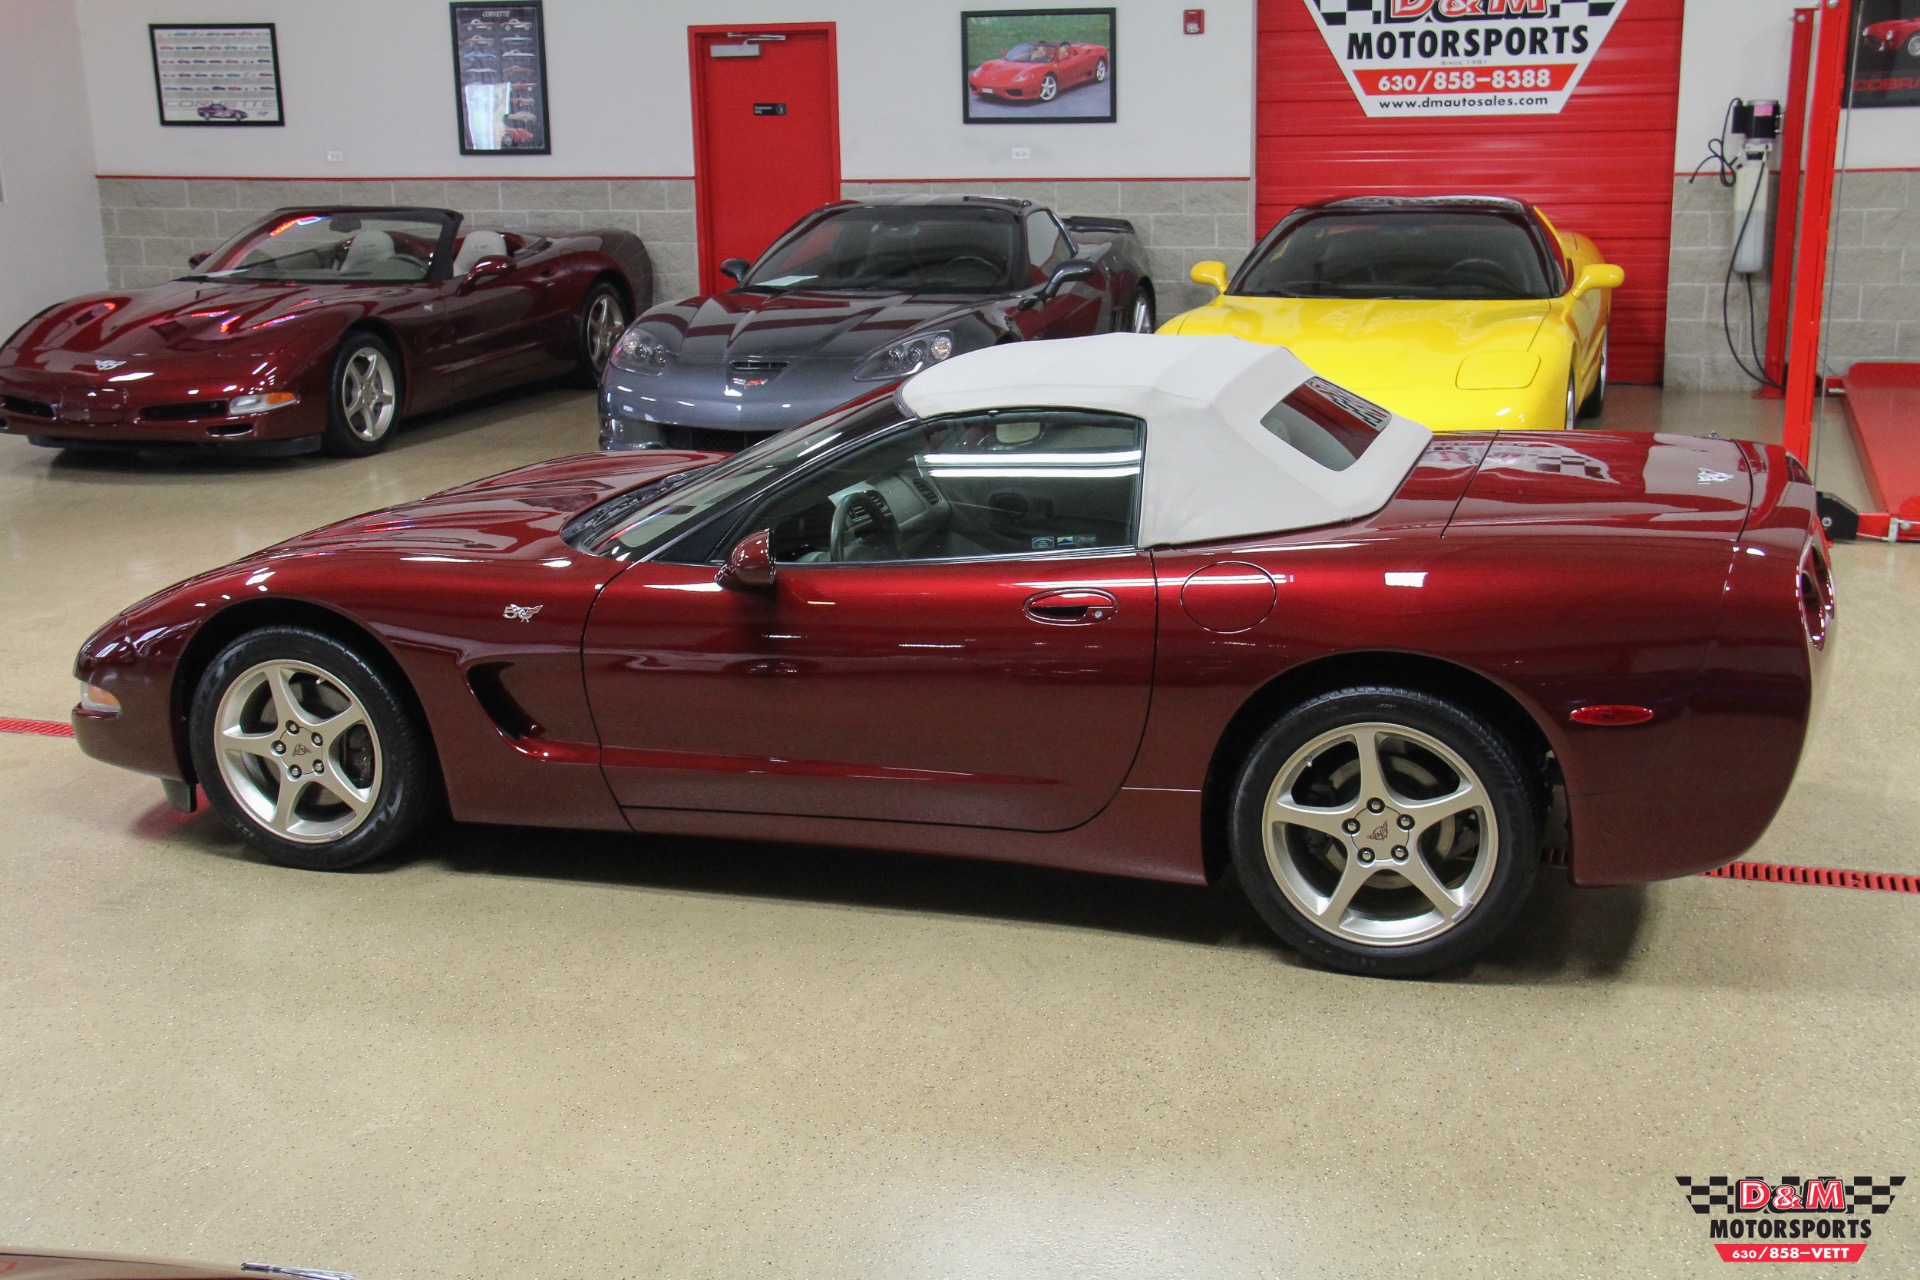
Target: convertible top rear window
point(1411, 254)
point(1329, 424)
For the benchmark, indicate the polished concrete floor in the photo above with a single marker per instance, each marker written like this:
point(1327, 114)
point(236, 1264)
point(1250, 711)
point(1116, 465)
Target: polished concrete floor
point(524, 1054)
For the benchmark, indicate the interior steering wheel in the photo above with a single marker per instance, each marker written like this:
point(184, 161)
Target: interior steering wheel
point(1479, 264)
point(863, 518)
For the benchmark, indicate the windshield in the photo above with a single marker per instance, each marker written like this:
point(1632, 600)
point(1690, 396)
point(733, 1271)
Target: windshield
point(1029, 53)
point(648, 517)
point(320, 248)
point(926, 249)
point(1426, 254)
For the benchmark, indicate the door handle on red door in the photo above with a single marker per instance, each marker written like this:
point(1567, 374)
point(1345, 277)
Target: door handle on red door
point(1072, 606)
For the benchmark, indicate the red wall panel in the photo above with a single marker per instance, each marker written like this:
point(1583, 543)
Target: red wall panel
point(1602, 167)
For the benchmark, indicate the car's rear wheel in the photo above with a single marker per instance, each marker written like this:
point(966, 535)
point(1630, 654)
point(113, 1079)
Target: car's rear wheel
point(1049, 88)
point(602, 321)
point(363, 402)
point(307, 751)
point(1596, 401)
point(1571, 418)
point(1385, 831)
point(1140, 313)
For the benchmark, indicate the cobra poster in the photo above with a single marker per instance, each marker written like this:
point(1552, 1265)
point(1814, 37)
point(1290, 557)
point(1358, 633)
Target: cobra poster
point(1464, 57)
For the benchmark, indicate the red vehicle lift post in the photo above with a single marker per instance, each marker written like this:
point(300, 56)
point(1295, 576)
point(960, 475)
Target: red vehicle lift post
point(1786, 223)
point(1816, 215)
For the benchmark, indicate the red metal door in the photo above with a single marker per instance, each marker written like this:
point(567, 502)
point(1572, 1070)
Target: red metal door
point(1602, 167)
point(1006, 693)
point(766, 135)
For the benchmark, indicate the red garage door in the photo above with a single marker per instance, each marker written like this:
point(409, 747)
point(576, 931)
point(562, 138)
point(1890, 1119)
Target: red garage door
point(1603, 166)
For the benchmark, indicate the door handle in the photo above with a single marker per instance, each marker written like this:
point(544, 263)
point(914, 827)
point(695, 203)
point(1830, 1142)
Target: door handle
point(1072, 606)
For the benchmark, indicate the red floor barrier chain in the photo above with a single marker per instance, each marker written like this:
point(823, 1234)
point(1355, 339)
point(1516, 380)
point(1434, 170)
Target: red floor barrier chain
point(43, 728)
point(1824, 877)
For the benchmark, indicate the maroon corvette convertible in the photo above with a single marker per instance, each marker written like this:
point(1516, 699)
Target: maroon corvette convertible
point(1147, 605)
point(320, 329)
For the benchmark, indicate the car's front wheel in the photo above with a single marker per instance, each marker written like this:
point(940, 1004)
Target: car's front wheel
point(1049, 88)
point(1100, 71)
point(1596, 401)
point(363, 403)
point(1384, 831)
point(307, 751)
point(1913, 47)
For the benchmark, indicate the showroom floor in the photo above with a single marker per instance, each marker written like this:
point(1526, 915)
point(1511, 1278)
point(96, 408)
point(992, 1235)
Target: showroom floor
point(540, 1054)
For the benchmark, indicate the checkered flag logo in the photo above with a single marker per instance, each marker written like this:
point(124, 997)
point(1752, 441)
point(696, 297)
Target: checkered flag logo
point(1341, 13)
point(1704, 1196)
point(1864, 1194)
point(1874, 1196)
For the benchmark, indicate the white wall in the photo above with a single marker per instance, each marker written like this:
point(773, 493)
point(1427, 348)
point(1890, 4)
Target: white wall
point(1739, 49)
point(373, 79)
point(50, 210)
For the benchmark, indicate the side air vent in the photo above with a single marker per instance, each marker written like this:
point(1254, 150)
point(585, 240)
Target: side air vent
point(507, 715)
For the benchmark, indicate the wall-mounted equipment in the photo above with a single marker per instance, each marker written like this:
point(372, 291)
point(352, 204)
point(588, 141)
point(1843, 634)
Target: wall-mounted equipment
point(1757, 125)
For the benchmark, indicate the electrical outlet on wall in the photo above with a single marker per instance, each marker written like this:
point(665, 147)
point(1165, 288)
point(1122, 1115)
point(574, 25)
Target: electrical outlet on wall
point(1023, 153)
point(336, 157)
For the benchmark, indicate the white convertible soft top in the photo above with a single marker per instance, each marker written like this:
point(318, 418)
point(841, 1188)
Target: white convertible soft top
point(1211, 471)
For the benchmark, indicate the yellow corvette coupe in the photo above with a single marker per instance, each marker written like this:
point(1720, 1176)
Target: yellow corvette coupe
point(1464, 313)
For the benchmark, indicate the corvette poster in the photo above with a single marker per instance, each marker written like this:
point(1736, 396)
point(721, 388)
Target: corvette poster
point(1464, 57)
point(216, 75)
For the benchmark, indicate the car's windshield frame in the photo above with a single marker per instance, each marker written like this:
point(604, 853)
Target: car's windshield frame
point(439, 264)
point(1555, 281)
point(762, 277)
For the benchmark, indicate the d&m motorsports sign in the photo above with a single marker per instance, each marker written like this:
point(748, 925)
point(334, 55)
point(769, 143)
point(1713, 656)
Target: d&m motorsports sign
point(1464, 57)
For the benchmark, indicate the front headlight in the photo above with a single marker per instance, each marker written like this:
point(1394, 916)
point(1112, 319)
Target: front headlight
point(641, 352)
point(1497, 371)
point(905, 358)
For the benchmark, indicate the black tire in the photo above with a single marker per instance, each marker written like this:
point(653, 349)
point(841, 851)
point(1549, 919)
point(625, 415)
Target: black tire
point(1496, 893)
point(345, 435)
point(386, 754)
point(1596, 402)
point(593, 359)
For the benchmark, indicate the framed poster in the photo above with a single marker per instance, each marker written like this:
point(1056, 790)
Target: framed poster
point(1037, 66)
point(1886, 54)
point(500, 61)
point(217, 75)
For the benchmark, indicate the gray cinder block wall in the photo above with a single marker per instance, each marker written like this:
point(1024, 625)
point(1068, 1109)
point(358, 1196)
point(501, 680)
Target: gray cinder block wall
point(152, 225)
point(1873, 271)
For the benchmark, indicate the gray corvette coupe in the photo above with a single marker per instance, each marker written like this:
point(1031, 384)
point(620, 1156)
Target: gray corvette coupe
point(860, 294)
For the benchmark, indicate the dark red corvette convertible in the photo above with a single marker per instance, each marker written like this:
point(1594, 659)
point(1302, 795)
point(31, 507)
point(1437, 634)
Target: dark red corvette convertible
point(1146, 605)
point(320, 329)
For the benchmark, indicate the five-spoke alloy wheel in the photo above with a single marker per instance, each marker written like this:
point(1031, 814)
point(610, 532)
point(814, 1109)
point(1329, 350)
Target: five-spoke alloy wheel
point(305, 749)
point(1385, 831)
point(364, 402)
point(602, 322)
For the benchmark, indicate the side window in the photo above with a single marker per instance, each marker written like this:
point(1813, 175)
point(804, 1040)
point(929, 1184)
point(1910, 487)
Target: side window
point(1017, 482)
point(1047, 245)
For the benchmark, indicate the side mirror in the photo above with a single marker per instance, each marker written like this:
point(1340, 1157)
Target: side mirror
point(1065, 274)
point(736, 269)
point(488, 269)
point(1598, 275)
point(1210, 272)
point(751, 563)
point(200, 257)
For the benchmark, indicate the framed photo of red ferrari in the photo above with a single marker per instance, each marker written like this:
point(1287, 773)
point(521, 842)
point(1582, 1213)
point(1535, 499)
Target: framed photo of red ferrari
point(500, 65)
point(1038, 66)
point(1886, 54)
point(227, 74)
